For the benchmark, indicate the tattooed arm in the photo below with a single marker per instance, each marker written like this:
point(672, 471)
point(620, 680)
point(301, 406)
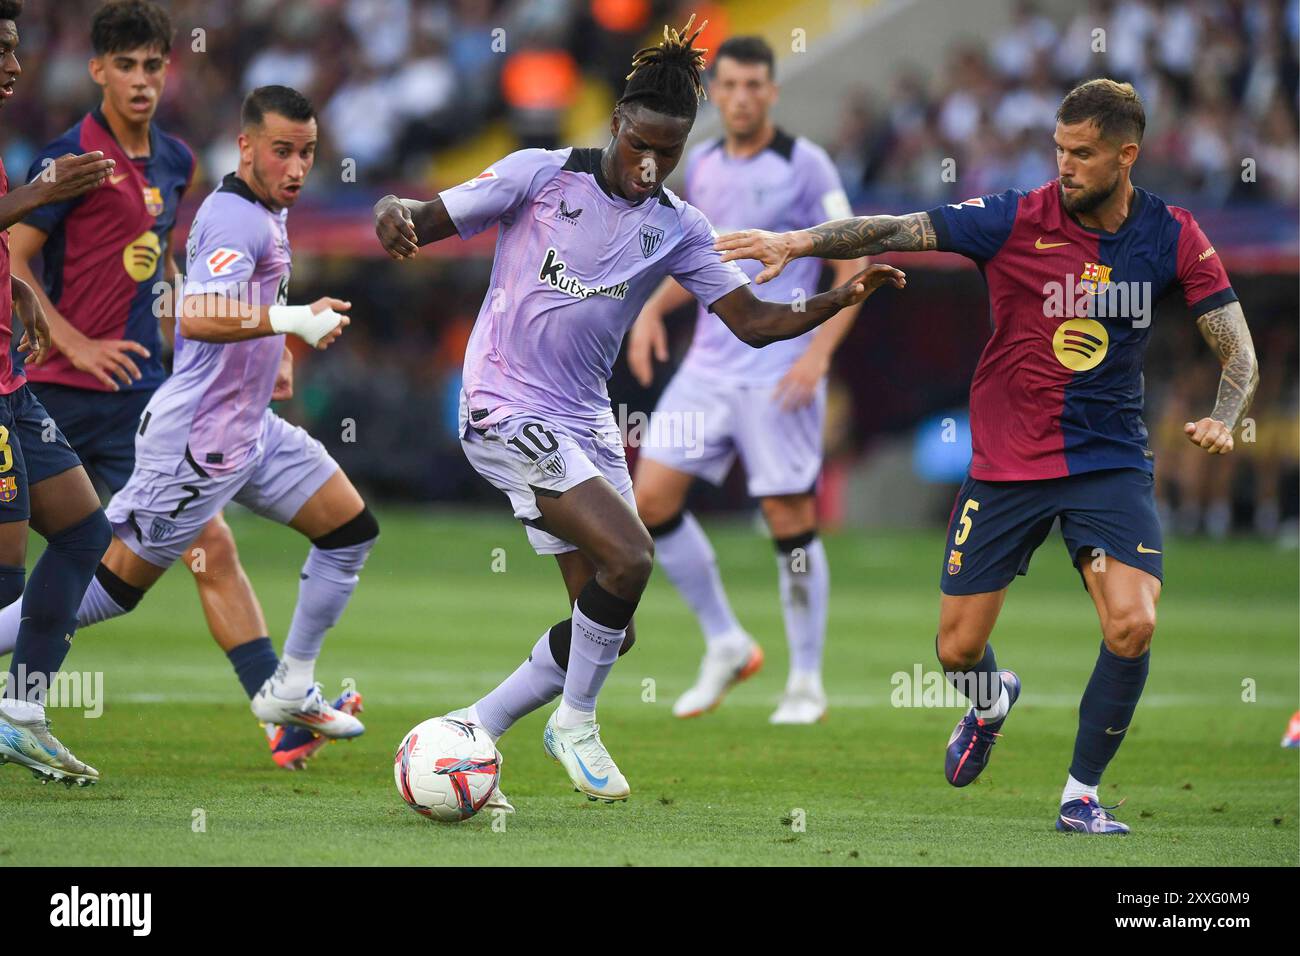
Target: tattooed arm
point(839, 239)
point(1225, 329)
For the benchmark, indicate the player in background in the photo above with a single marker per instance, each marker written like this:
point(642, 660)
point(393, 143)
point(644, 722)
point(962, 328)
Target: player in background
point(207, 437)
point(766, 405)
point(586, 236)
point(1056, 410)
point(104, 257)
point(42, 482)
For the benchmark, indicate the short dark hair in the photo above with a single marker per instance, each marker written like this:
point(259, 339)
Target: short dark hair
point(121, 25)
point(666, 77)
point(1115, 108)
point(281, 100)
point(748, 49)
point(11, 9)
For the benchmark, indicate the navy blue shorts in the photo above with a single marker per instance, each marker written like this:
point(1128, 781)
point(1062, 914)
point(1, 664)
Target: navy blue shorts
point(100, 425)
point(997, 525)
point(31, 449)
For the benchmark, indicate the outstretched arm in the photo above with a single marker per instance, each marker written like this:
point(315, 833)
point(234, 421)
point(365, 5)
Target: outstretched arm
point(760, 323)
point(838, 239)
point(403, 225)
point(1226, 330)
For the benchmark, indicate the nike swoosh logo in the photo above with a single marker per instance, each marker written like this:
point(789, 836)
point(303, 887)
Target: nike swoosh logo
point(594, 781)
point(1142, 550)
point(119, 179)
point(1115, 733)
point(1039, 244)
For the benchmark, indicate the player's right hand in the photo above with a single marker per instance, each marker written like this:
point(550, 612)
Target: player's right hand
point(69, 176)
point(335, 307)
point(108, 360)
point(773, 249)
point(646, 344)
point(395, 228)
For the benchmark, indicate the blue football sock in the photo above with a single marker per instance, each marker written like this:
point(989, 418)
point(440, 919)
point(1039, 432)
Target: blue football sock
point(254, 663)
point(1106, 711)
point(982, 684)
point(50, 602)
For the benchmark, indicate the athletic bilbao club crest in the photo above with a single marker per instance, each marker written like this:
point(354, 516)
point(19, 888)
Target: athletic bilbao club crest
point(651, 237)
point(8, 488)
point(553, 466)
point(954, 561)
point(153, 201)
point(161, 529)
point(1094, 278)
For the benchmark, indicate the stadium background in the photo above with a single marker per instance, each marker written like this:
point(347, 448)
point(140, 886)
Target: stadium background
point(411, 102)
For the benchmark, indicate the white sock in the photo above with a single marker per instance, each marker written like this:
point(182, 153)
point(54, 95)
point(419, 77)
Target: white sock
point(293, 677)
point(22, 710)
point(688, 559)
point(999, 708)
point(570, 717)
point(1074, 790)
point(805, 582)
point(472, 713)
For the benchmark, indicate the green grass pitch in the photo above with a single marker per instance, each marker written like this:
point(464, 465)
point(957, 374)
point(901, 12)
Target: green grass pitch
point(432, 626)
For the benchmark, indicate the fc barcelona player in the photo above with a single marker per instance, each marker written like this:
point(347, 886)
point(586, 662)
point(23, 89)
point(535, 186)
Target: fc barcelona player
point(586, 236)
point(42, 482)
point(1073, 268)
point(104, 255)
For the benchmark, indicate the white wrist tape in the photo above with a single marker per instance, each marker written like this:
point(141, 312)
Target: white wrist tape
point(301, 321)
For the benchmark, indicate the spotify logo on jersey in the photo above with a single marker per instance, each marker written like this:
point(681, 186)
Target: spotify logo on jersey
point(140, 258)
point(1080, 344)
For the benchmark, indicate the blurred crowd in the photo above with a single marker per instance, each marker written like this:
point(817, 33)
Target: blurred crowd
point(393, 80)
point(1218, 78)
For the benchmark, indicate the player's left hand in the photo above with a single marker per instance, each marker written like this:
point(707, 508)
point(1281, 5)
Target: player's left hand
point(1211, 434)
point(866, 282)
point(283, 390)
point(36, 329)
point(798, 387)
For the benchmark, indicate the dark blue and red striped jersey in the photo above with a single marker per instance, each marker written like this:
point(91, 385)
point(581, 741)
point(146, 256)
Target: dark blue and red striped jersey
point(106, 249)
point(1058, 388)
point(10, 378)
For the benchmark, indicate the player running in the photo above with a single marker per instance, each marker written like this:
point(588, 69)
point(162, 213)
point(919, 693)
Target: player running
point(1073, 269)
point(586, 236)
point(41, 479)
point(766, 405)
point(104, 255)
point(207, 437)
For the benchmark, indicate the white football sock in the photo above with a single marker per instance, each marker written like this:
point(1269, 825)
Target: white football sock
point(22, 710)
point(570, 717)
point(293, 677)
point(999, 708)
point(688, 559)
point(805, 581)
point(1074, 790)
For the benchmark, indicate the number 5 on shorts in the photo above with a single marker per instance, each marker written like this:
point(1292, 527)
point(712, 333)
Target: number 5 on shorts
point(964, 521)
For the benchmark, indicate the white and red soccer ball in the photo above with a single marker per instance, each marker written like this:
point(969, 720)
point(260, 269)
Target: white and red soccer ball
point(446, 769)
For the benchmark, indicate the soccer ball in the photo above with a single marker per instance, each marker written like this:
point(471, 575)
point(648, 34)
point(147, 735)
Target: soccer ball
point(446, 769)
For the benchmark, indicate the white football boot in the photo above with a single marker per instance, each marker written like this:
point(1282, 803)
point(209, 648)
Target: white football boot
point(583, 756)
point(804, 701)
point(31, 744)
point(498, 800)
point(724, 666)
point(311, 711)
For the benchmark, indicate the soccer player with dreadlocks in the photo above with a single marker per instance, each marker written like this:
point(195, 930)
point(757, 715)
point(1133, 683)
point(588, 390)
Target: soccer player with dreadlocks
point(586, 236)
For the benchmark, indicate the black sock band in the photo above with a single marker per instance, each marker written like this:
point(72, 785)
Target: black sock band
point(358, 530)
point(786, 545)
point(667, 527)
point(561, 638)
point(126, 596)
point(607, 610)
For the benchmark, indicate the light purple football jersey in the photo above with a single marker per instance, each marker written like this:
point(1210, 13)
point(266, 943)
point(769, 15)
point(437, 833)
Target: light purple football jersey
point(574, 264)
point(211, 408)
point(792, 184)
